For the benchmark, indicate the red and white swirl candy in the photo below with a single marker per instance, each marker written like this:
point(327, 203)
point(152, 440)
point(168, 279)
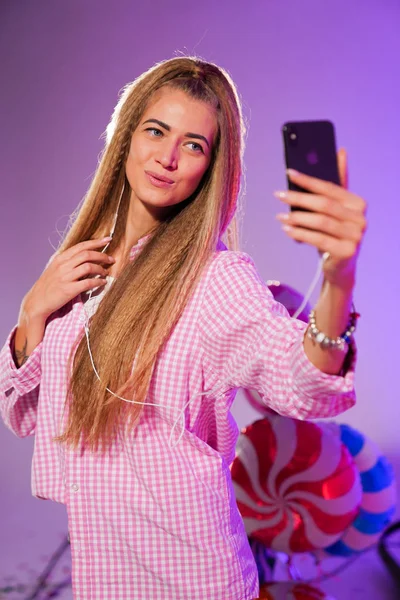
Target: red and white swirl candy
point(296, 485)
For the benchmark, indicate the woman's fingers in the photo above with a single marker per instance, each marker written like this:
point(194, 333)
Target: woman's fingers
point(79, 269)
point(85, 285)
point(88, 245)
point(89, 256)
point(323, 205)
point(323, 223)
point(341, 249)
point(83, 262)
point(87, 270)
point(329, 190)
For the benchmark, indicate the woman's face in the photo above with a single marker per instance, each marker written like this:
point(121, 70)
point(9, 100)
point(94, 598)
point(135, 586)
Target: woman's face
point(170, 150)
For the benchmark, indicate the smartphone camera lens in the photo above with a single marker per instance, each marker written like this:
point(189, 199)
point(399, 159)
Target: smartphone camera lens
point(292, 135)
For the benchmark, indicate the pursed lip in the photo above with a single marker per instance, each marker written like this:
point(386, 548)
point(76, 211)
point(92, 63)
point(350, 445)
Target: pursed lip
point(159, 177)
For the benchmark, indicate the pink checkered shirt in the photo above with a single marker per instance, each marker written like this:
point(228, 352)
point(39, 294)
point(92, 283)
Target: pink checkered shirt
point(156, 520)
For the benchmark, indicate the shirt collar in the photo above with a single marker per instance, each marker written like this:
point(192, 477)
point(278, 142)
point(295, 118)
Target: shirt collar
point(138, 245)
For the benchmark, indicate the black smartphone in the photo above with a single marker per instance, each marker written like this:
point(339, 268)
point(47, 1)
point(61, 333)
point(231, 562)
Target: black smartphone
point(310, 147)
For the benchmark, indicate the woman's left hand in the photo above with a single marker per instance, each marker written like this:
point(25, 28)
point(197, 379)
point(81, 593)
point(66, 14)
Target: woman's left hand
point(334, 221)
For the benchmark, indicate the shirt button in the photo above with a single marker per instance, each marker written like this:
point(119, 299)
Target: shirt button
point(74, 487)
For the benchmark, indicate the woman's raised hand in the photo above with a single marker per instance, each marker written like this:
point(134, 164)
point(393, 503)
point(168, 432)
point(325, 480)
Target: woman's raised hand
point(76, 270)
point(334, 221)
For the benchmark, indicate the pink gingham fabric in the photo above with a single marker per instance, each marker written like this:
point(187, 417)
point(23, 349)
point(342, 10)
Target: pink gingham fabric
point(153, 519)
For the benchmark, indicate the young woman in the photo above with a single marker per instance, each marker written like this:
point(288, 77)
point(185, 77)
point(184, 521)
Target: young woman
point(129, 351)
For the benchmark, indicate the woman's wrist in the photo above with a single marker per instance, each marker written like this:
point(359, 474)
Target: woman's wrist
point(334, 307)
point(344, 284)
point(332, 316)
point(28, 335)
point(328, 343)
point(31, 312)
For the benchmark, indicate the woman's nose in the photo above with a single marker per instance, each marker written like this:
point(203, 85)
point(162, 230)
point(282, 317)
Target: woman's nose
point(168, 156)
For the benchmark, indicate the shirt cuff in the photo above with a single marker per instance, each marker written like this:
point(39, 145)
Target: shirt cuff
point(322, 395)
point(25, 378)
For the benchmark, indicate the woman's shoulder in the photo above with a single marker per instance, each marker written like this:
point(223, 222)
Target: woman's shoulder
point(233, 270)
point(223, 255)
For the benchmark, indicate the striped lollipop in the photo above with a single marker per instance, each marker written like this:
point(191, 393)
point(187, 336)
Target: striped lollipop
point(296, 485)
point(378, 503)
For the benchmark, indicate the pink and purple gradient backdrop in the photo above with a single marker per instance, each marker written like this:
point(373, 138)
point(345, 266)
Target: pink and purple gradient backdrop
point(62, 67)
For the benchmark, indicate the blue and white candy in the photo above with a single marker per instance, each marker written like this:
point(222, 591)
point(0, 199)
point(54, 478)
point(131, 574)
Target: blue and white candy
point(378, 502)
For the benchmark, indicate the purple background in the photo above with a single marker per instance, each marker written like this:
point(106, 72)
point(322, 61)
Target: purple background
point(62, 65)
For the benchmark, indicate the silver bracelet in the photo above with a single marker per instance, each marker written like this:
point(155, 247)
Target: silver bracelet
point(341, 342)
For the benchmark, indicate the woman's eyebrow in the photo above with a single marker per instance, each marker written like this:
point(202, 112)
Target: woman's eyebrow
point(197, 136)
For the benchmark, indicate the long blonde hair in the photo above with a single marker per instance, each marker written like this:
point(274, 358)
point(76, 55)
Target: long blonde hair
point(137, 315)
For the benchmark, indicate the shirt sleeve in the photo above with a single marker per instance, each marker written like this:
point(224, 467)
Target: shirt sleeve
point(249, 340)
point(19, 389)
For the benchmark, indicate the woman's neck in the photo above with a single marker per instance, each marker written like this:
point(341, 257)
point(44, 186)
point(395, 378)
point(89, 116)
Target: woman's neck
point(141, 220)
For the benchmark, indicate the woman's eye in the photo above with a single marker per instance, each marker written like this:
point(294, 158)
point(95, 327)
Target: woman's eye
point(196, 147)
point(154, 131)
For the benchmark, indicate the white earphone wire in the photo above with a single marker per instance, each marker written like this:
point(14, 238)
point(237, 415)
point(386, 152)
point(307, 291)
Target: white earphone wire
point(313, 284)
point(131, 401)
